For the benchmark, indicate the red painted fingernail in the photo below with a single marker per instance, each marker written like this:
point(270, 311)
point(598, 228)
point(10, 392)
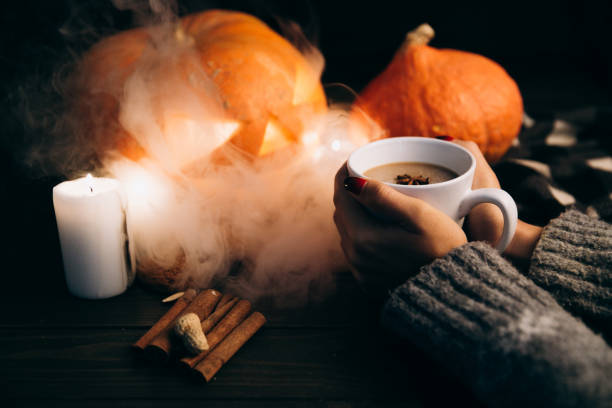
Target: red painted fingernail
point(354, 184)
point(445, 137)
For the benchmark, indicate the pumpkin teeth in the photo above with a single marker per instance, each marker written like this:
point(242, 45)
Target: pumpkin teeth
point(189, 139)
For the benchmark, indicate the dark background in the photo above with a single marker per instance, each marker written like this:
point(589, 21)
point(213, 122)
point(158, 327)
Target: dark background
point(557, 51)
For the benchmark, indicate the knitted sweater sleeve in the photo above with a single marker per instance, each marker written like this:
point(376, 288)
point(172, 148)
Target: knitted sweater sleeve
point(506, 337)
point(573, 262)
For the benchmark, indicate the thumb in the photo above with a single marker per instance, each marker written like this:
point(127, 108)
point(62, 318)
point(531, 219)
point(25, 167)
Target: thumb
point(384, 201)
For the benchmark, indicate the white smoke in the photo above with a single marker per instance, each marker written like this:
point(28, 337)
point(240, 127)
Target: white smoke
point(261, 227)
point(273, 217)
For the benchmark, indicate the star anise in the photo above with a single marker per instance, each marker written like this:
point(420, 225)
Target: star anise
point(406, 179)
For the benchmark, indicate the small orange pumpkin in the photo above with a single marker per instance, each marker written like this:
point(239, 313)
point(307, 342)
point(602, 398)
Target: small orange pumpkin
point(432, 92)
point(262, 83)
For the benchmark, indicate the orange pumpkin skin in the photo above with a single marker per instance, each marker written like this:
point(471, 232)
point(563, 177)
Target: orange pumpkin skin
point(432, 92)
point(257, 74)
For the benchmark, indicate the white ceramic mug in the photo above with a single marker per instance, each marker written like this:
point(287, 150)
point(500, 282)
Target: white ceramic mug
point(453, 197)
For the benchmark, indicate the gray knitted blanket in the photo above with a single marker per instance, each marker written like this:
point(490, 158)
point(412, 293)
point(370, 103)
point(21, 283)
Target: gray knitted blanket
point(518, 340)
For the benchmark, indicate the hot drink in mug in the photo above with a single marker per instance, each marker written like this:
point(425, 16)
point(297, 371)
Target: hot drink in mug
point(436, 171)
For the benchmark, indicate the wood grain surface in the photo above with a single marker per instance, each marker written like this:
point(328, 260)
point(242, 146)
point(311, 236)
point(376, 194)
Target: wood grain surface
point(74, 352)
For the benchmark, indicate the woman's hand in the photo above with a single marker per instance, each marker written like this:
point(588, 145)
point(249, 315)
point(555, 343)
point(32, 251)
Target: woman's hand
point(385, 235)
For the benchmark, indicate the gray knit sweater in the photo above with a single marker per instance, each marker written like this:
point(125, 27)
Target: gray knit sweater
point(511, 338)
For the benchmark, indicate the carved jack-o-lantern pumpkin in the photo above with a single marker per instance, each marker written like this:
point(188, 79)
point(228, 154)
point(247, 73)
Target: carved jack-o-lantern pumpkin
point(261, 88)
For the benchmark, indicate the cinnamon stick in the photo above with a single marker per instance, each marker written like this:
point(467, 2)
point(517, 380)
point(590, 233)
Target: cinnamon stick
point(220, 331)
point(202, 305)
point(211, 364)
point(211, 321)
point(165, 320)
point(225, 299)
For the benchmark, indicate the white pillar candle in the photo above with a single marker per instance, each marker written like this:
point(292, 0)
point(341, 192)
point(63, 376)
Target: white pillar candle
point(91, 223)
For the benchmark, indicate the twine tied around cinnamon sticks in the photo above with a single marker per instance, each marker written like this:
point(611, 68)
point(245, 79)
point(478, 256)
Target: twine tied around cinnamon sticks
point(226, 321)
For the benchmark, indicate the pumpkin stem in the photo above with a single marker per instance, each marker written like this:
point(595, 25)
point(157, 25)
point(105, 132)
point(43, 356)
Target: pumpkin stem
point(421, 35)
point(181, 36)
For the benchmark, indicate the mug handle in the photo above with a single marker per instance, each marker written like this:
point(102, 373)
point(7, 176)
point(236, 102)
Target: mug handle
point(501, 199)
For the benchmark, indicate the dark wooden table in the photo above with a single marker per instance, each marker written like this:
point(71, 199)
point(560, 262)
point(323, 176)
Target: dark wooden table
point(57, 350)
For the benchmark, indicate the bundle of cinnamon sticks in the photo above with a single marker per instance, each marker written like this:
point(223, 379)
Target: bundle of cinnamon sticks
point(226, 321)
